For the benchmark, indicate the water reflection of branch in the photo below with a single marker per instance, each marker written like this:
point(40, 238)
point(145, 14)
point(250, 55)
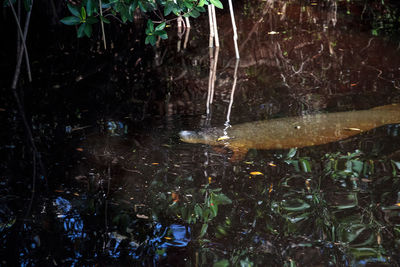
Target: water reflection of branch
point(380, 72)
point(232, 95)
point(212, 77)
point(267, 7)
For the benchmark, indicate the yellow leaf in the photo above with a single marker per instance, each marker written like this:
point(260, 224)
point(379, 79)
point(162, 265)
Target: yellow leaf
point(256, 173)
point(155, 163)
point(223, 138)
point(273, 32)
point(397, 204)
point(272, 164)
point(168, 238)
point(271, 187)
point(353, 129)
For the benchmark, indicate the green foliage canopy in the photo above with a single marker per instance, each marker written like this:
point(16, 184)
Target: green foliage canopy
point(88, 13)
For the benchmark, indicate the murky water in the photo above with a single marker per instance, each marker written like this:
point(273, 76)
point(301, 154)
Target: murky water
point(128, 191)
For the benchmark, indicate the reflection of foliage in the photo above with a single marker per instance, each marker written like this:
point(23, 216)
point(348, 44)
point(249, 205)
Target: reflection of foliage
point(325, 207)
point(193, 206)
point(384, 17)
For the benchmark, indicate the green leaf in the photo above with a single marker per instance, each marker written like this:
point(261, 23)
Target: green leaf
point(221, 263)
point(291, 153)
point(142, 7)
point(220, 199)
point(74, 10)
point(200, 9)
point(198, 211)
point(150, 27)
point(217, 3)
point(188, 5)
point(305, 165)
point(83, 13)
point(206, 213)
point(71, 20)
point(151, 39)
point(357, 166)
point(88, 29)
point(169, 6)
point(163, 34)
point(161, 26)
point(214, 209)
point(194, 13)
point(90, 7)
point(125, 15)
point(133, 7)
point(81, 30)
point(202, 3)
point(203, 230)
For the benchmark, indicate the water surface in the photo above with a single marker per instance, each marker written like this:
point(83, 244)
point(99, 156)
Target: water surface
point(127, 191)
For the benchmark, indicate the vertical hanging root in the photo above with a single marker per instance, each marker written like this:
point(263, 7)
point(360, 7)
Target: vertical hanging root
point(102, 25)
point(186, 38)
point(235, 37)
point(210, 19)
point(187, 21)
point(214, 17)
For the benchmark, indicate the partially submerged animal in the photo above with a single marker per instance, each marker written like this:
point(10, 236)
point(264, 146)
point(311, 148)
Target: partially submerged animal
point(293, 132)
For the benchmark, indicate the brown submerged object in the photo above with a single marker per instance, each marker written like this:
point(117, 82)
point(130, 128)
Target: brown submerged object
point(293, 132)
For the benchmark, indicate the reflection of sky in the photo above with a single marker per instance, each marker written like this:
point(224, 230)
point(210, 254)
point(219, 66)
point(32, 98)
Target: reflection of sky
point(63, 206)
point(180, 236)
point(164, 237)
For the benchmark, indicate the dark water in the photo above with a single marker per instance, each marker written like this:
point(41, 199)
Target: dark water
point(124, 190)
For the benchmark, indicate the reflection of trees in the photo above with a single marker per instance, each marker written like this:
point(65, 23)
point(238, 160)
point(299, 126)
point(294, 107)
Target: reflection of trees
point(314, 53)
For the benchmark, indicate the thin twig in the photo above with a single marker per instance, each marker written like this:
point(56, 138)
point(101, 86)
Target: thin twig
point(36, 154)
point(23, 40)
point(102, 25)
point(19, 18)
